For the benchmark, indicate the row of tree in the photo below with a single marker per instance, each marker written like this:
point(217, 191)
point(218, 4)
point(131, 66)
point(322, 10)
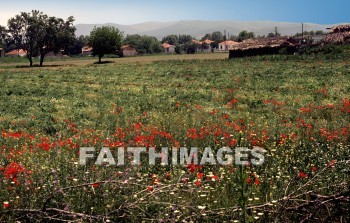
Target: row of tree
point(38, 34)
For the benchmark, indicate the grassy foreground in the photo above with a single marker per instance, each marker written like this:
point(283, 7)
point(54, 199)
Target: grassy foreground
point(295, 107)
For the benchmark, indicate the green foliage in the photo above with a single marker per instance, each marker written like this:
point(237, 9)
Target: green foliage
point(105, 40)
point(243, 35)
point(296, 107)
point(143, 44)
point(39, 34)
point(171, 39)
point(77, 45)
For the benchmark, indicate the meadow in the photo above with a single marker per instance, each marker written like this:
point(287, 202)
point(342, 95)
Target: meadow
point(296, 107)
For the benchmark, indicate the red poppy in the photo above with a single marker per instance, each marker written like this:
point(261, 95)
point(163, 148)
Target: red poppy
point(302, 174)
point(149, 188)
point(199, 175)
point(257, 181)
point(6, 204)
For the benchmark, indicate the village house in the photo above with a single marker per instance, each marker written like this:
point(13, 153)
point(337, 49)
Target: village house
point(206, 45)
point(168, 49)
point(227, 45)
point(86, 51)
point(127, 51)
point(203, 46)
point(17, 53)
point(2, 53)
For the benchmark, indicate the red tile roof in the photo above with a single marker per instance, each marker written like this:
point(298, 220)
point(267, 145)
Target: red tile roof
point(127, 47)
point(166, 45)
point(17, 52)
point(229, 42)
point(87, 49)
point(207, 41)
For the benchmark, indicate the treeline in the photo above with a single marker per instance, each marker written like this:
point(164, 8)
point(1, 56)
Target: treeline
point(39, 34)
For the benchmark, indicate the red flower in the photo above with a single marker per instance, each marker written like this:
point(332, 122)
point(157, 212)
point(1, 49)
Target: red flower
point(302, 174)
point(199, 175)
point(215, 177)
point(150, 188)
point(198, 183)
point(257, 181)
point(331, 164)
point(95, 185)
point(314, 169)
point(6, 204)
point(233, 142)
point(249, 180)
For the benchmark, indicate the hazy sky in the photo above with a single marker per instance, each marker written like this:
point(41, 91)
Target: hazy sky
point(137, 11)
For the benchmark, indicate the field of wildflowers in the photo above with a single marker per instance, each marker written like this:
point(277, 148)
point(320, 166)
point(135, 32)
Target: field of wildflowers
point(297, 108)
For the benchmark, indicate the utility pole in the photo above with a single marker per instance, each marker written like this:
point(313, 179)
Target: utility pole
point(276, 31)
point(302, 32)
point(225, 39)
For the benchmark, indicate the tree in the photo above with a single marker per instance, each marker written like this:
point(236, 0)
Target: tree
point(55, 35)
point(245, 35)
point(133, 40)
point(77, 45)
point(105, 40)
point(171, 39)
point(143, 44)
point(37, 33)
point(273, 34)
point(23, 30)
point(2, 35)
point(183, 39)
point(217, 37)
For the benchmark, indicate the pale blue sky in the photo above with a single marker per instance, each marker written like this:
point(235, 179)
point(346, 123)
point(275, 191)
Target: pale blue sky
point(137, 11)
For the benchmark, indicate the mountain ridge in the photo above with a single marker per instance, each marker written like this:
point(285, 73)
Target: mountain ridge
point(198, 28)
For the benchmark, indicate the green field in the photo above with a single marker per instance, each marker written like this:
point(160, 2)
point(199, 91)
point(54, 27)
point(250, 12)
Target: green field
point(295, 107)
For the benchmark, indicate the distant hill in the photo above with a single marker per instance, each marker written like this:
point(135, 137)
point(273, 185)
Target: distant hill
point(198, 28)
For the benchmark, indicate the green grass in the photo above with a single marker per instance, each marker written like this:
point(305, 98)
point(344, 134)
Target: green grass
point(295, 107)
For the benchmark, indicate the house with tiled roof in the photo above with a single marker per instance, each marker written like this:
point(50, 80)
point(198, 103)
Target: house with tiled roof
point(168, 48)
point(17, 53)
point(227, 45)
point(203, 46)
point(127, 51)
point(86, 51)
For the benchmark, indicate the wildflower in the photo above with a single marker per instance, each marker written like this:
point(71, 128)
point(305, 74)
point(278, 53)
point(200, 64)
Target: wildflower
point(314, 169)
point(95, 185)
point(249, 180)
point(257, 181)
point(198, 183)
point(6, 204)
point(149, 188)
point(215, 178)
point(302, 174)
point(199, 175)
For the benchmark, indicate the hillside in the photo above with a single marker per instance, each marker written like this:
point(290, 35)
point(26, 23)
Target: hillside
point(199, 28)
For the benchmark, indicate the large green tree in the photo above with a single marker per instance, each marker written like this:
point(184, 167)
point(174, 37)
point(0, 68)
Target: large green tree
point(24, 29)
point(2, 35)
point(55, 35)
point(171, 39)
point(38, 34)
point(105, 40)
point(143, 44)
point(245, 35)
